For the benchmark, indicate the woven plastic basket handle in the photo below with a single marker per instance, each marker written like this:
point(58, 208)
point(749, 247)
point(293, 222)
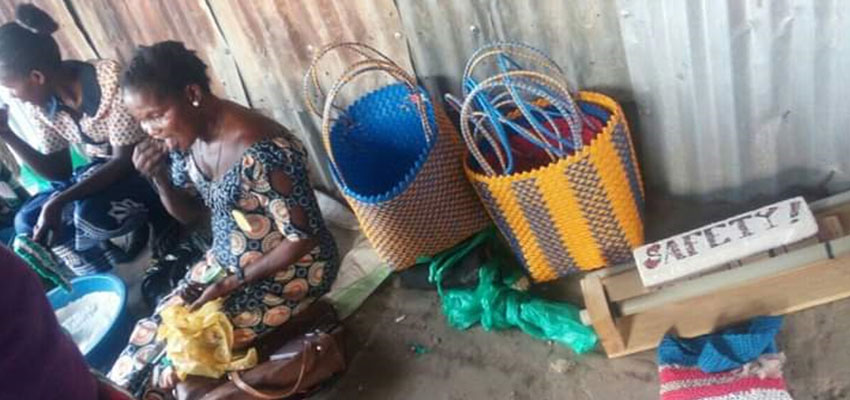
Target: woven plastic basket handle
point(542, 86)
point(453, 102)
point(312, 88)
point(358, 69)
point(511, 56)
point(477, 119)
point(496, 119)
point(491, 106)
point(499, 141)
point(511, 51)
point(504, 100)
point(506, 55)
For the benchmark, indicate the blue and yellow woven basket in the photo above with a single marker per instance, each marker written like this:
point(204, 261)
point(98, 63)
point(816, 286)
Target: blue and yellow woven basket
point(397, 159)
point(582, 212)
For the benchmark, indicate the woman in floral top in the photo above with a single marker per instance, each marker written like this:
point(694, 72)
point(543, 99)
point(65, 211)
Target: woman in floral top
point(79, 103)
point(272, 254)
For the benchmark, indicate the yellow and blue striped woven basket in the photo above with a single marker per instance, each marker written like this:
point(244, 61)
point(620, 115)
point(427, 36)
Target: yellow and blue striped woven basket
point(578, 213)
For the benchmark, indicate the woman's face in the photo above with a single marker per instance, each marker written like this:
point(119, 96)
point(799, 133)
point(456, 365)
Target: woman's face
point(168, 118)
point(30, 88)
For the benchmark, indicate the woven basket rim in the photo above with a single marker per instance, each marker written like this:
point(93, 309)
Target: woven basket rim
point(410, 176)
point(608, 130)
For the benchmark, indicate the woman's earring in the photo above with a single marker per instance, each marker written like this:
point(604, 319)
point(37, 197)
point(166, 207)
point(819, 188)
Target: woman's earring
point(196, 103)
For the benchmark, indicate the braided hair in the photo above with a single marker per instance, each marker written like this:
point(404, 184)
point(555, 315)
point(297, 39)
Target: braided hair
point(167, 68)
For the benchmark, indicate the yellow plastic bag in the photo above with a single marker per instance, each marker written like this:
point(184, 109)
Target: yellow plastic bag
point(199, 343)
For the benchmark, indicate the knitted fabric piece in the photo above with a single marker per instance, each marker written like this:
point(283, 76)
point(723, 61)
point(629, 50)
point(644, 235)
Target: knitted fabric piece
point(737, 363)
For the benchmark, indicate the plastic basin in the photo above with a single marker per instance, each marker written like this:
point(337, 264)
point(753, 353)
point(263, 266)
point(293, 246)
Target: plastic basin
point(108, 347)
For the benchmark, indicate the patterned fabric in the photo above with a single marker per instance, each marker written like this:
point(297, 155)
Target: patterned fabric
point(83, 243)
point(96, 129)
point(249, 219)
point(760, 379)
point(740, 362)
point(101, 123)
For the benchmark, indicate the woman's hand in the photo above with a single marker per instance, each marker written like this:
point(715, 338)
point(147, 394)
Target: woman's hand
point(50, 220)
point(219, 289)
point(150, 157)
point(166, 378)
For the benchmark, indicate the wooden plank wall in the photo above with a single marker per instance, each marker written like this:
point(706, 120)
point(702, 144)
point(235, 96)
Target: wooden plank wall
point(274, 42)
point(117, 27)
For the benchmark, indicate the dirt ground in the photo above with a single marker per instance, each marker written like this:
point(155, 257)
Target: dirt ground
point(510, 365)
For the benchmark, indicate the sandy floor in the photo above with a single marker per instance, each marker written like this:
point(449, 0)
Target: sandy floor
point(510, 365)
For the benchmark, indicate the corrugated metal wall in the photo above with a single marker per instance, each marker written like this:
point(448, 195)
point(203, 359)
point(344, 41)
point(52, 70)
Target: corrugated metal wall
point(740, 97)
point(728, 99)
point(581, 35)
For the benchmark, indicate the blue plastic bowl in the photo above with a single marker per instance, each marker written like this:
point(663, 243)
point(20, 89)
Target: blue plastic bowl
point(108, 347)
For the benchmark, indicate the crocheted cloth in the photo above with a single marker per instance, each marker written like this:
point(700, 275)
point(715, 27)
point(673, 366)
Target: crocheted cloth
point(738, 363)
point(759, 380)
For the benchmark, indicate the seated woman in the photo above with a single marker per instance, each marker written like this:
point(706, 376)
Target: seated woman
point(73, 102)
point(272, 254)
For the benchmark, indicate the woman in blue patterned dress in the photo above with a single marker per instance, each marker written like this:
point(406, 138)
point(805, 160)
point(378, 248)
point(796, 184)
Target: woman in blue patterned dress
point(272, 254)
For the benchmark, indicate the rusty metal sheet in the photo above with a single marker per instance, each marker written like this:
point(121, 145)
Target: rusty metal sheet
point(116, 27)
point(274, 42)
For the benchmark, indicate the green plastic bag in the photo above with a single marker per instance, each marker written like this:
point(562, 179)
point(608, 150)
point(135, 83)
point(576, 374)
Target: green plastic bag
point(497, 304)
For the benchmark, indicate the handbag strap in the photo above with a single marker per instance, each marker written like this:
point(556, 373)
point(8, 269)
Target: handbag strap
point(309, 351)
point(312, 88)
point(418, 95)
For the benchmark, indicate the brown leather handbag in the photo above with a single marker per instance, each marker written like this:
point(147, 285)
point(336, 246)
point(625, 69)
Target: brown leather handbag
point(295, 368)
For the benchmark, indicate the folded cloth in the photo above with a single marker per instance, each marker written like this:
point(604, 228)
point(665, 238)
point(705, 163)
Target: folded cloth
point(741, 362)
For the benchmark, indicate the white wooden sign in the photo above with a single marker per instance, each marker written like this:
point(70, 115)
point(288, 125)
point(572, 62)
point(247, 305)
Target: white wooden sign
point(718, 243)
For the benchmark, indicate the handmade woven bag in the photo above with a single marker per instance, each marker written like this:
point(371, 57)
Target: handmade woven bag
point(580, 209)
point(397, 160)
